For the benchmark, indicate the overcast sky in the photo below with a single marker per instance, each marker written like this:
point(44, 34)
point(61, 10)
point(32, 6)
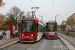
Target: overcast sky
point(48, 10)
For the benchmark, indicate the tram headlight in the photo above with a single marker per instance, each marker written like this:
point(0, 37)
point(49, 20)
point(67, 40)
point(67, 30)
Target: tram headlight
point(32, 34)
point(22, 35)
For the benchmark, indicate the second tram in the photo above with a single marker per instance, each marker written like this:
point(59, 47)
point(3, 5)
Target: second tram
point(51, 29)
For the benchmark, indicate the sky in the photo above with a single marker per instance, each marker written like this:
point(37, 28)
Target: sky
point(47, 8)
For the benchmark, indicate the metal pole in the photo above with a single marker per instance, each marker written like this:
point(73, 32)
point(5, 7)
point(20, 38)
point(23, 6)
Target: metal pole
point(33, 12)
point(56, 16)
point(42, 18)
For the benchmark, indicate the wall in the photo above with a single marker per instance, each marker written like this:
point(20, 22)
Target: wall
point(69, 33)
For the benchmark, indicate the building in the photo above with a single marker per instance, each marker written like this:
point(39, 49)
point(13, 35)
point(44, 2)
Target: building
point(69, 26)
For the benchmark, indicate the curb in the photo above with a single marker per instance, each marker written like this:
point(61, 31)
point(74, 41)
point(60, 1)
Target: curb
point(67, 44)
point(8, 44)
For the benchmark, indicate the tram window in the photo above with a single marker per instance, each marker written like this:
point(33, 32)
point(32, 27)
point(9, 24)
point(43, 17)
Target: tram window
point(51, 27)
point(47, 28)
point(28, 26)
point(36, 27)
point(40, 28)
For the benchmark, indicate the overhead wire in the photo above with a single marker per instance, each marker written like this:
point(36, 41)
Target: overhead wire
point(52, 7)
point(33, 3)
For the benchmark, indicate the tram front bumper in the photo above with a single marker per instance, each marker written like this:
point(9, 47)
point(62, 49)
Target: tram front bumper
point(27, 38)
point(53, 36)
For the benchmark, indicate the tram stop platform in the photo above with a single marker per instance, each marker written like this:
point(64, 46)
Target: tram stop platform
point(70, 39)
point(6, 42)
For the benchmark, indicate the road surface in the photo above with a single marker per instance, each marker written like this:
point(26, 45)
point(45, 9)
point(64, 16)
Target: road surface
point(44, 44)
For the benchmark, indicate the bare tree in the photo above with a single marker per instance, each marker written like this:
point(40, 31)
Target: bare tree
point(18, 14)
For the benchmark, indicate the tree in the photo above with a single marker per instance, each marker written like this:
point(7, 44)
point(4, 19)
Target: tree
point(1, 21)
point(16, 12)
point(68, 22)
point(1, 3)
point(63, 22)
point(63, 25)
point(2, 17)
point(9, 21)
point(71, 22)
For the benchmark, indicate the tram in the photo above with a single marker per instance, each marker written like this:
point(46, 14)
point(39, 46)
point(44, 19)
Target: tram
point(32, 30)
point(51, 29)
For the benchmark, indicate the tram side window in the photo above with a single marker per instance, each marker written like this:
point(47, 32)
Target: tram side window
point(36, 27)
point(40, 28)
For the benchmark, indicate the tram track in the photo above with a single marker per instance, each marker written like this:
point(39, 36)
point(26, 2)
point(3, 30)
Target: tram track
point(59, 44)
point(18, 45)
point(44, 44)
point(28, 47)
point(24, 45)
point(34, 44)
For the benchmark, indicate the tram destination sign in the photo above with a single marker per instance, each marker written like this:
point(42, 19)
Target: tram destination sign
point(29, 21)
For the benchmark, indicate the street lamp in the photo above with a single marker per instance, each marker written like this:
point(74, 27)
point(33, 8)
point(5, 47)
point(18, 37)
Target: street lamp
point(33, 12)
point(56, 16)
point(41, 17)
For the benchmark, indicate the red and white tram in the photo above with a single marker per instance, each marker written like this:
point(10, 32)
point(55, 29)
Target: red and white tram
point(32, 30)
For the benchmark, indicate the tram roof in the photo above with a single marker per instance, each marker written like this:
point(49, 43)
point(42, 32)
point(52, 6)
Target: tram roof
point(34, 19)
point(51, 22)
point(30, 19)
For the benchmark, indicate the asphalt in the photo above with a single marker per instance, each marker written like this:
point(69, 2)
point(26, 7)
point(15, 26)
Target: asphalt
point(44, 44)
point(6, 41)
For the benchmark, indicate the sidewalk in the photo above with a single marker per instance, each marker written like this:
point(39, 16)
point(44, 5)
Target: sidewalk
point(70, 39)
point(4, 41)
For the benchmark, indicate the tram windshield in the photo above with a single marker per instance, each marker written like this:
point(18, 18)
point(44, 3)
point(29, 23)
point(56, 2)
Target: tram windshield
point(28, 26)
point(51, 27)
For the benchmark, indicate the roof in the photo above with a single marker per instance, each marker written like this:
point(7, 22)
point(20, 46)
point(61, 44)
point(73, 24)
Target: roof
point(71, 15)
